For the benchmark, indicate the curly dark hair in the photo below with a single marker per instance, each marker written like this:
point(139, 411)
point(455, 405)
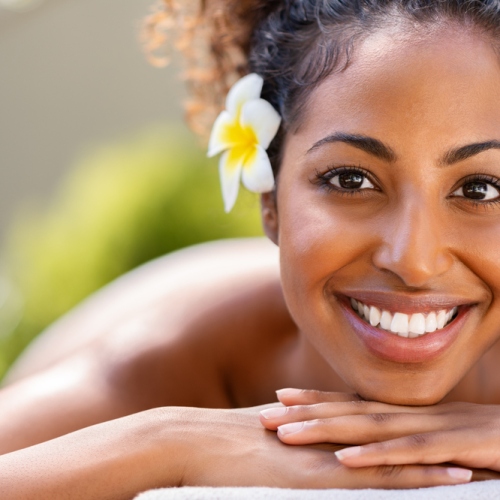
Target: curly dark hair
point(215, 40)
point(292, 44)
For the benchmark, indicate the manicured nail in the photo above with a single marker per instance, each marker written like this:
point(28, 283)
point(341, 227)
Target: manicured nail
point(290, 428)
point(288, 392)
point(348, 452)
point(460, 474)
point(274, 412)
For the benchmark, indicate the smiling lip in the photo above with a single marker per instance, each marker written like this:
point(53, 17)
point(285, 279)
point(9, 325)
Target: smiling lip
point(391, 347)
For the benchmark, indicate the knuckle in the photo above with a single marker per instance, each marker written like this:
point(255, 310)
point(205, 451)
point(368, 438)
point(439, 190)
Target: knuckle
point(324, 408)
point(417, 441)
point(319, 464)
point(380, 418)
point(307, 411)
point(317, 422)
point(389, 472)
point(359, 405)
point(314, 396)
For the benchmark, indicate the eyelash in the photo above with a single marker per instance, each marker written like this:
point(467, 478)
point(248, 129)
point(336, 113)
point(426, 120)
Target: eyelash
point(323, 179)
point(493, 181)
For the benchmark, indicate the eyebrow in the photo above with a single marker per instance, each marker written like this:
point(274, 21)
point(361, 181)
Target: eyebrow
point(367, 144)
point(380, 150)
point(464, 152)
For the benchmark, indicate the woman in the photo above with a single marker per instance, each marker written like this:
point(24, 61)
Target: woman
point(386, 213)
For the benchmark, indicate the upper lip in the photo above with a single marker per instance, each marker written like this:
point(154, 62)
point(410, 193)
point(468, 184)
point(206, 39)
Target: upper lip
point(408, 303)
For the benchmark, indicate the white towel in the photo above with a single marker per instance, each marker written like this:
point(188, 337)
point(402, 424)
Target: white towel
point(483, 490)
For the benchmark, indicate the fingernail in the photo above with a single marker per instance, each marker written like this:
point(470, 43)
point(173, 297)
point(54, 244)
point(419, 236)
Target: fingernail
point(290, 428)
point(460, 474)
point(348, 452)
point(288, 392)
point(274, 412)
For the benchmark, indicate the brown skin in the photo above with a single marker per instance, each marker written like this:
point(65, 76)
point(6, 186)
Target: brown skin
point(216, 327)
point(409, 233)
point(408, 236)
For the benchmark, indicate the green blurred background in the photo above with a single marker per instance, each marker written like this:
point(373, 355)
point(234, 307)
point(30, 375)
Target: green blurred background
point(98, 175)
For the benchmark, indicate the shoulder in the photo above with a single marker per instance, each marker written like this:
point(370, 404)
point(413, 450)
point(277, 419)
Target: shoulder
point(170, 313)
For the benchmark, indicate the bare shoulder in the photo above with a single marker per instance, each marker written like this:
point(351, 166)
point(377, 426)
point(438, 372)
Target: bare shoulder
point(176, 312)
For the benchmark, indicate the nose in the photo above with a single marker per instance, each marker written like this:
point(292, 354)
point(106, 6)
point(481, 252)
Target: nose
point(413, 244)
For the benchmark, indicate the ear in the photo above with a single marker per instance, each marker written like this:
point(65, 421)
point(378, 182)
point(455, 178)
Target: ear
point(269, 212)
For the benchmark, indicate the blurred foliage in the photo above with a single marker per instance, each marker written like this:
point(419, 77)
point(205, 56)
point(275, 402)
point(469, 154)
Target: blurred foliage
point(120, 207)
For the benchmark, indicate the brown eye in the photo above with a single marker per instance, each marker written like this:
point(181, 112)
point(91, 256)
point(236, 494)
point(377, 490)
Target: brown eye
point(478, 190)
point(351, 180)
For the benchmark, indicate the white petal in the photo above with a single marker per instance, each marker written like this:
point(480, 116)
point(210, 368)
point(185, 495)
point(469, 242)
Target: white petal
point(230, 165)
point(219, 138)
point(246, 89)
point(257, 172)
point(263, 119)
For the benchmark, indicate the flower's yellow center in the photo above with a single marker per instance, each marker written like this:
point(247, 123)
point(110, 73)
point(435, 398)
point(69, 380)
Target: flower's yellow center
point(244, 141)
point(239, 136)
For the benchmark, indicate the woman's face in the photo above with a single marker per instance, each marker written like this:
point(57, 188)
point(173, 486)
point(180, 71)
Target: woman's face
point(389, 194)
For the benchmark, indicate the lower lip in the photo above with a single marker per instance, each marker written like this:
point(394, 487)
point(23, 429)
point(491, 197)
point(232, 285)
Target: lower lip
point(392, 347)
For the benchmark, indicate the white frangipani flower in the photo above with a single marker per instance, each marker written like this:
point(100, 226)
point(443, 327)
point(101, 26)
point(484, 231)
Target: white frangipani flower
point(243, 132)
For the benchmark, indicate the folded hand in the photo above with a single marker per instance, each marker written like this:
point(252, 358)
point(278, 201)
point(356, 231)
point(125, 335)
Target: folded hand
point(463, 434)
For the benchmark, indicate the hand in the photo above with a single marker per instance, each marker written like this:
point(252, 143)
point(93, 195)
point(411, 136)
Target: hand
point(230, 448)
point(464, 434)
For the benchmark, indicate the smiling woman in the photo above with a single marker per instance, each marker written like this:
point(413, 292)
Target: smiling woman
point(405, 193)
point(382, 305)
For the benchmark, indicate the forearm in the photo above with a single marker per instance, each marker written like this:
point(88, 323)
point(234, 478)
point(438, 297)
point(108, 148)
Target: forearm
point(60, 400)
point(113, 460)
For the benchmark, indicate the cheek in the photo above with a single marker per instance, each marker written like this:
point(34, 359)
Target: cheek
point(478, 249)
point(316, 241)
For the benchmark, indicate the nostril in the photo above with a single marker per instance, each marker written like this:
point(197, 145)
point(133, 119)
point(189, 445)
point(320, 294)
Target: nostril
point(414, 267)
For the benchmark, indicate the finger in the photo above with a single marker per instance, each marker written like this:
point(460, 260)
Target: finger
point(424, 448)
point(358, 429)
point(306, 397)
point(404, 476)
point(257, 409)
point(273, 418)
point(293, 397)
point(484, 475)
point(321, 469)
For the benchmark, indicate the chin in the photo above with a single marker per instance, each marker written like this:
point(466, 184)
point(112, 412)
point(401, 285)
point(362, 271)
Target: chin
point(402, 396)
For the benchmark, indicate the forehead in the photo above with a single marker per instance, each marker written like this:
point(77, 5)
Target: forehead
point(407, 87)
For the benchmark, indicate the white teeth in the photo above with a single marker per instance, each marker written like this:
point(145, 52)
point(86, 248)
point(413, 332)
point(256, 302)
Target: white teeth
point(399, 324)
point(366, 312)
point(431, 323)
point(404, 325)
point(417, 324)
point(441, 319)
point(386, 320)
point(374, 316)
